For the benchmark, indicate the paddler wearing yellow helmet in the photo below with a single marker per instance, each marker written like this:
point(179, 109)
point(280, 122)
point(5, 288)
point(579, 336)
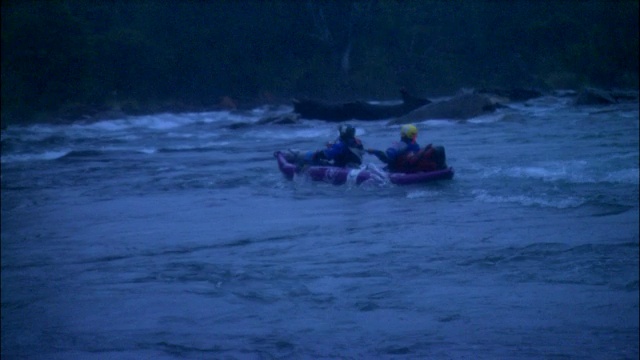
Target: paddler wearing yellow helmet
point(408, 132)
point(396, 155)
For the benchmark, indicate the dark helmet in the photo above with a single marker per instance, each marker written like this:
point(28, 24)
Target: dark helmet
point(347, 132)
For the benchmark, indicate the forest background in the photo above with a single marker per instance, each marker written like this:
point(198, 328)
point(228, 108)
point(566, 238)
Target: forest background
point(67, 59)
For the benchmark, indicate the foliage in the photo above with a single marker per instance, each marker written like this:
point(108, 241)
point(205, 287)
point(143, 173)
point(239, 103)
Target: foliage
point(147, 55)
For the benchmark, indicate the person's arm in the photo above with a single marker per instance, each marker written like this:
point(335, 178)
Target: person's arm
point(381, 155)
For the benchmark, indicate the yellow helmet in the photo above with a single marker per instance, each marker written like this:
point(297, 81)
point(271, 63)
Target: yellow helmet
point(409, 131)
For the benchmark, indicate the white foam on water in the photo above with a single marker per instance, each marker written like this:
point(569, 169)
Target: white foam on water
point(625, 176)
point(437, 123)
point(527, 200)
point(486, 119)
point(422, 194)
point(352, 177)
point(301, 133)
point(47, 155)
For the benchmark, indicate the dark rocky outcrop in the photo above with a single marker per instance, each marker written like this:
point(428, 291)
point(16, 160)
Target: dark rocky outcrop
point(273, 119)
point(592, 96)
point(460, 107)
point(515, 94)
point(356, 110)
point(412, 102)
point(625, 95)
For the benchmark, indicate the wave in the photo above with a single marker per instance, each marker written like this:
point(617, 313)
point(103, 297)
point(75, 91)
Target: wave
point(577, 172)
point(68, 153)
point(486, 119)
point(196, 148)
point(625, 176)
point(163, 121)
point(556, 202)
point(159, 122)
point(552, 173)
point(588, 257)
point(84, 153)
point(301, 133)
point(436, 123)
point(47, 155)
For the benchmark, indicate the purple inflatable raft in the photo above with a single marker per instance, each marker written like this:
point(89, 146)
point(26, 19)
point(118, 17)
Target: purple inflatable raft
point(338, 176)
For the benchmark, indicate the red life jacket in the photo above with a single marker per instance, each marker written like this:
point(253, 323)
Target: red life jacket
point(411, 162)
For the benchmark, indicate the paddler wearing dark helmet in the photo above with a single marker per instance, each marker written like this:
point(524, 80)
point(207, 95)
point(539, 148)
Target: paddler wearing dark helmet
point(345, 151)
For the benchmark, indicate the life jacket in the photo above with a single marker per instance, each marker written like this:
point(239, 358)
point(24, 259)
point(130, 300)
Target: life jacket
point(351, 154)
point(399, 155)
point(429, 158)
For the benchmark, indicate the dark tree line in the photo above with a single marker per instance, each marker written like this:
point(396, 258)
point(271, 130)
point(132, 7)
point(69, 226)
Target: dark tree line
point(69, 57)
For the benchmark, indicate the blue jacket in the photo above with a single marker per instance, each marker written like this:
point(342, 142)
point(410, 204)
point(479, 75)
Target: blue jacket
point(343, 154)
point(338, 153)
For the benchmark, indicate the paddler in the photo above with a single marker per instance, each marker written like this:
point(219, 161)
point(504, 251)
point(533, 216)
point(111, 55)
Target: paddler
point(346, 151)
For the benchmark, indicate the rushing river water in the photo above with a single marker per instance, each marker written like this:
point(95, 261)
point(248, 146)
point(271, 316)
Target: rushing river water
point(175, 236)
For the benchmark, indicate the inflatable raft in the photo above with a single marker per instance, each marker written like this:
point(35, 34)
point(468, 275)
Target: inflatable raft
point(338, 176)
